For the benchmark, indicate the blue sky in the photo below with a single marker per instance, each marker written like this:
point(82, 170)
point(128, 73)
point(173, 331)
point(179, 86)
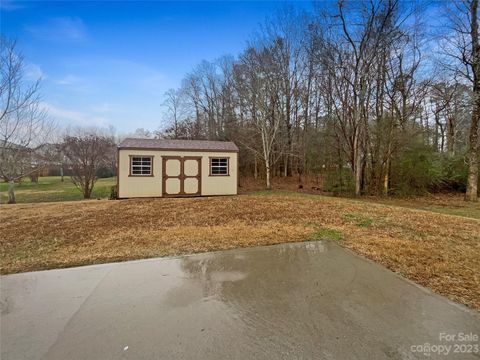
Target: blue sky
point(109, 63)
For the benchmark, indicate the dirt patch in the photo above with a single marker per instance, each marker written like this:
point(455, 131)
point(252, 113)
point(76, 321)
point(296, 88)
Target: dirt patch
point(439, 251)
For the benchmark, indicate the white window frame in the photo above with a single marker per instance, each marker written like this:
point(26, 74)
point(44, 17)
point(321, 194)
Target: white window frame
point(218, 166)
point(141, 167)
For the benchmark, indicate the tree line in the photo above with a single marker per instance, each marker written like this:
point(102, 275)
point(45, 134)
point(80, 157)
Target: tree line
point(362, 93)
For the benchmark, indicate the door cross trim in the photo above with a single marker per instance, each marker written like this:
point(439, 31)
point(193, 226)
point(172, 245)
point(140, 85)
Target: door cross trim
point(181, 176)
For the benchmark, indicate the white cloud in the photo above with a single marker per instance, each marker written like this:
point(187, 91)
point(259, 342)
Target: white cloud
point(102, 108)
point(34, 72)
point(60, 29)
point(69, 80)
point(74, 117)
point(116, 91)
point(73, 83)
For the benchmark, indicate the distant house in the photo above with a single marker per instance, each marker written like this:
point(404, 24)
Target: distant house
point(176, 168)
point(18, 161)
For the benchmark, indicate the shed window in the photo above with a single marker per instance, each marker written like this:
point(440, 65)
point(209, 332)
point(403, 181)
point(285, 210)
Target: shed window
point(141, 165)
point(219, 166)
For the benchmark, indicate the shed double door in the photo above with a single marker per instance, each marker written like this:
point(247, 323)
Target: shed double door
point(182, 175)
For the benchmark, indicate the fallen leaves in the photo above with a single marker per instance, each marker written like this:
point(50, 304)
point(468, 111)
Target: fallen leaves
point(439, 251)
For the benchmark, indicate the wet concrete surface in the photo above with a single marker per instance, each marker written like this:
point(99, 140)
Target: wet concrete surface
point(291, 301)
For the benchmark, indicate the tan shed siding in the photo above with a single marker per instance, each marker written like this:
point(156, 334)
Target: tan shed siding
point(151, 186)
point(139, 186)
point(219, 185)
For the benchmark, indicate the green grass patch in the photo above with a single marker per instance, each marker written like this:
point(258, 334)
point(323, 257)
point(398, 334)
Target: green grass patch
point(287, 193)
point(325, 234)
point(272, 192)
point(358, 219)
point(470, 210)
point(51, 188)
point(450, 204)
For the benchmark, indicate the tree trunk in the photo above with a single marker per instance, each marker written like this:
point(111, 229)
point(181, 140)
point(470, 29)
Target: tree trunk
point(11, 193)
point(386, 175)
point(88, 190)
point(61, 173)
point(357, 165)
point(451, 135)
point(386, 181)
point(472, 155)
point(358, 174)
point(362, 175)
point(267, 169)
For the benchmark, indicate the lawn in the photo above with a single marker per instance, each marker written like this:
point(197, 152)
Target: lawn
point(445, 203)
point(51, 188)
point(452, 204)
point(439, 251)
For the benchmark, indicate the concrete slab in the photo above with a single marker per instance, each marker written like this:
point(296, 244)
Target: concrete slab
point(302, 300)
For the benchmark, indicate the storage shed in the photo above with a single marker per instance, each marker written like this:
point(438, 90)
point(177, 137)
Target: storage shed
point(176, 168)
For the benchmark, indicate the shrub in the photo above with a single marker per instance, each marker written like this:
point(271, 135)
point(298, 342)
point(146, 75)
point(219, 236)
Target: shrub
point(339, 182)
point(416, 170)
point(105, 172)
point(454, 172)
point(113, 193)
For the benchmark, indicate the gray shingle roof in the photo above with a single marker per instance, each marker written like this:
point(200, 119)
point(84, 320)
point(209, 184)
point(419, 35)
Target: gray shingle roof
point(168, 144)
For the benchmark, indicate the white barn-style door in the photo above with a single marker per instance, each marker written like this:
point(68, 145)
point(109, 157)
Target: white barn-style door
point(182, 176)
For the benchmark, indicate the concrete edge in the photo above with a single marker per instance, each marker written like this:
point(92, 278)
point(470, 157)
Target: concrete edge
point(261, 247)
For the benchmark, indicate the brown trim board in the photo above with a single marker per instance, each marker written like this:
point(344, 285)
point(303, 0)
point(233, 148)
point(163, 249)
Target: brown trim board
point(118, 172)
point(198, 176)
point(182, 175)
point(174, 149)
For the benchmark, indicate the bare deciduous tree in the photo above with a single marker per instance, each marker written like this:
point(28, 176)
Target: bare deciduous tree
point(463, 47)
point(24, 125)
point(347, 93)
point(261, 93)
point(86, 152)
point(175, 110)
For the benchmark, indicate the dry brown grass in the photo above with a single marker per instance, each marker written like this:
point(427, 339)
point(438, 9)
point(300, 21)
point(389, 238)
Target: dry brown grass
point(439, 251)
point(445, 203)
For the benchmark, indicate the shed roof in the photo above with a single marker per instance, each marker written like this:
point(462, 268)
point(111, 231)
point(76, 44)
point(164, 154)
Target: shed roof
point(187, 145)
